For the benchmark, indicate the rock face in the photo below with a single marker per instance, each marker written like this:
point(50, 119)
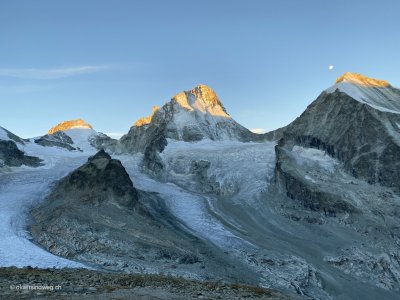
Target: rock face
point(96, 215)
point(11, 156)
point(356, 121)
point(318, 191)
point(57, 139)
point(291, 176)
point(72, 124)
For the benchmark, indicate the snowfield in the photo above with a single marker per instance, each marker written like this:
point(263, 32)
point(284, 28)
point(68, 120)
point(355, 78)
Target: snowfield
point(242, 170)
point(314, 158)
point(190, 208)
point(380, 98)
point(22, 188)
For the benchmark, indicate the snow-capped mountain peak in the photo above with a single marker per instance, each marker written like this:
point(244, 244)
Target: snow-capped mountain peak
point(189, 116)
point(71, 124)
point(376, 93)
point(81, 136)
point(361, 80)
point(202, 99)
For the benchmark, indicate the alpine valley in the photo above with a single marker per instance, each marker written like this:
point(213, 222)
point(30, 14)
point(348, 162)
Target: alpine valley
point(308, 211)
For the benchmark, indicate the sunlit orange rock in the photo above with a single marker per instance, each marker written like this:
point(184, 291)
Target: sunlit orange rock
point(72, 124)
point(147, 120)
point(202, 98)
point(362, 80)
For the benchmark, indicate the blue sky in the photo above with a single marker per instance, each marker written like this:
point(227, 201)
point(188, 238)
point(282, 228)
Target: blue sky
point(109, 62)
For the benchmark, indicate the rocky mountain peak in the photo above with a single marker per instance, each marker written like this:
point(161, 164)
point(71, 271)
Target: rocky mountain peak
point(72, 124)
point(147, 120)
point(377, 94)
point(100, 155)
point(100, 180)
point(203, 99)
point(362, 80)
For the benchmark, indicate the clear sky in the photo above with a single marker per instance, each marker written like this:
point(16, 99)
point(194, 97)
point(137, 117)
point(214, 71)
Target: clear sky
point(109, 62)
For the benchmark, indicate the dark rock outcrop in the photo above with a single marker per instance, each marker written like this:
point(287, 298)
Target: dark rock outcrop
point(101, 141)
point(101, 180)
point(57, 139)
point(11, 156)
point(313, 196)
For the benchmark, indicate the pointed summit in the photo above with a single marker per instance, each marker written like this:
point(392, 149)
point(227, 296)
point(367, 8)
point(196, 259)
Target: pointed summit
point(376, 93)
point(72, 124)
point(189, 116)
point(203, 99)
point(362, 80)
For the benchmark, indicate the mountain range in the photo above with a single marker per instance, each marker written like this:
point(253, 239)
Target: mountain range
point(311, 209)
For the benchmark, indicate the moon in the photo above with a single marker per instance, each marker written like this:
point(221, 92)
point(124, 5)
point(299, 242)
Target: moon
point(330, 67)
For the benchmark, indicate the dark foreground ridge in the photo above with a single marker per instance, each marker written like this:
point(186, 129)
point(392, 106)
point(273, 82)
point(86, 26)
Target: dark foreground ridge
point(86, 284)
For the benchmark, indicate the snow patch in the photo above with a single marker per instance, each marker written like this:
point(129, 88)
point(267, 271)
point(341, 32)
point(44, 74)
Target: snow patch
point(304, 155)
point(380, 98)
point(81, 137)
point(242, 170)
point(20, 190)
point(3, 135)
point(309, 178)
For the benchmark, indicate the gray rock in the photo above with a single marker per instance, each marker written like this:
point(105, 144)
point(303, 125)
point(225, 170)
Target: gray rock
point(296, 186)
point(11, 156)
point(58, 139)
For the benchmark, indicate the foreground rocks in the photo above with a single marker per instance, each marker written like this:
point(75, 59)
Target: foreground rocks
point(86, 284)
